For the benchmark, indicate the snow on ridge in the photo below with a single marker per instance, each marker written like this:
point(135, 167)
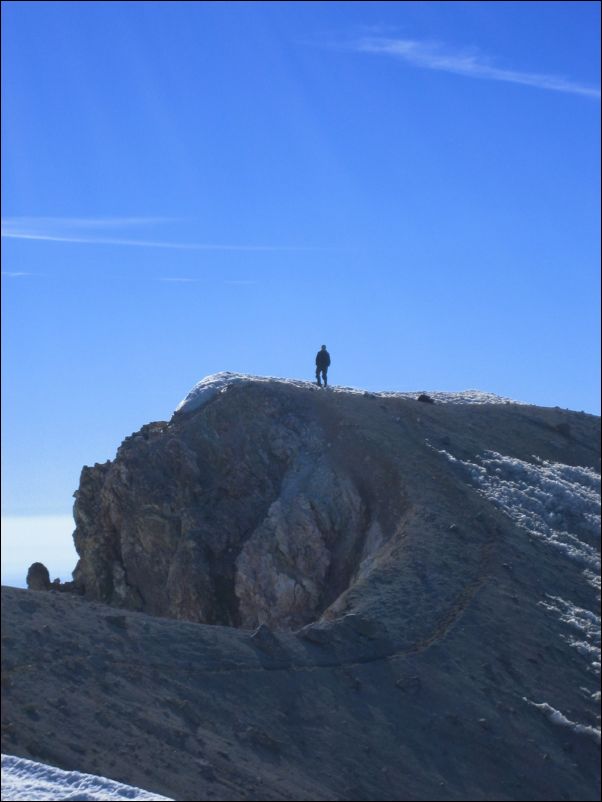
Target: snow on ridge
point(559, 505)
point(556, 717)
point(24, 779)
point(458, 397)
point(206, 389)
point(584, 621)
point(556, 503)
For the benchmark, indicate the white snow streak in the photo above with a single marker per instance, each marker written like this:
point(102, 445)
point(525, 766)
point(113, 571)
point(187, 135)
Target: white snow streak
point(556, 717)
point(585, 622)
point(206, 389)
point(560, 506)
point(27, 780)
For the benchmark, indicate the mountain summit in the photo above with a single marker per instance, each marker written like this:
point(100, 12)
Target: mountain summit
point(272, 501)
point(376, 598)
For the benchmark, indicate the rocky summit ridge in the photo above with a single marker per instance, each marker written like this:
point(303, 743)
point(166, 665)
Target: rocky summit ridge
point(274, 502)
point(308, 594)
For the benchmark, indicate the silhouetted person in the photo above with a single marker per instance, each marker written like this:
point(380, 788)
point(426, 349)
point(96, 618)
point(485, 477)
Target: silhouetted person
point(322, 363)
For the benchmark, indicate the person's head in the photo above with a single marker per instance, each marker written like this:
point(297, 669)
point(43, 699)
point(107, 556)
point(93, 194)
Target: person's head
point(323, 347)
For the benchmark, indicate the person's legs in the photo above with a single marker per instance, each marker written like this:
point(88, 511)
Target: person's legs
point(318, 376)
point(324, 376)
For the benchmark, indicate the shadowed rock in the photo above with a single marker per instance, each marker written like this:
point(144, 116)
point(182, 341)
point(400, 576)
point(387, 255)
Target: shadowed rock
point(437, 566)
point(278, 505)
point(38, 577)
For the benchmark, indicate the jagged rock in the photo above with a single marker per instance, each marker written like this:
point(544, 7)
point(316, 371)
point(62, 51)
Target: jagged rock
point(238, 524)
point(426, 399)
point(282, 569)
point(63, 587)
point(413, 650)
point(38, 577)
point(275, 504)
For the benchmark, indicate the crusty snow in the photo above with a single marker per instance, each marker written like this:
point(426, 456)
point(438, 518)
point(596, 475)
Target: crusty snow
point(585, 623)
point(26, 779)
point(210, 386)
point(556, 717)
point(560, 506)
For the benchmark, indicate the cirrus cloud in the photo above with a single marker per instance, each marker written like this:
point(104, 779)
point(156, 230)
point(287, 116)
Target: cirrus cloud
point(470, 63)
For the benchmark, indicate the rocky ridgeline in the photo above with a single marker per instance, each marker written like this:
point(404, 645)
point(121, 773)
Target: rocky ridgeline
point(262, 506)
point(409, 593)
point(278, 504)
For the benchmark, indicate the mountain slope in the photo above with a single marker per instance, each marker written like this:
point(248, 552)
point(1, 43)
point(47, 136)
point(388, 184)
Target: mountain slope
point(424, 581)
point(266, 502)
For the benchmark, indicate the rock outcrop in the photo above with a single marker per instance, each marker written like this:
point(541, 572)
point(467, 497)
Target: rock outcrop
point(378, 599)
point(262, 506)
point(38, 577)
point(269, 503)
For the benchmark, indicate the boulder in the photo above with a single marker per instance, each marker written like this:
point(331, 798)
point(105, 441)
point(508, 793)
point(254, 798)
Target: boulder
point(38, 577)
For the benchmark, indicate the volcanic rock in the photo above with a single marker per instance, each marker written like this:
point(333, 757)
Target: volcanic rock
point(323, 596)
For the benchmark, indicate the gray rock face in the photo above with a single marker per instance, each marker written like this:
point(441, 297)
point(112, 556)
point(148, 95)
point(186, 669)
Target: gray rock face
point(281, 505)
point(238, 514)
point(283, 569)
point(438, 578)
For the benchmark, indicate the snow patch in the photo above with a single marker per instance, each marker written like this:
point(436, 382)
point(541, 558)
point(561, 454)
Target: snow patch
point(211, 386)
point(559, 504)
point(556, 717)
point(585, 622)
point(26, 779)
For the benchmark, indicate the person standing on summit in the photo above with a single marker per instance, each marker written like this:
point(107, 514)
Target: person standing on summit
point(322, 363)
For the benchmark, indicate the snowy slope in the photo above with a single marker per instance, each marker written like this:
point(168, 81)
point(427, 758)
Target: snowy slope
point(26, 779)
point(559, 505)
point(206, 389)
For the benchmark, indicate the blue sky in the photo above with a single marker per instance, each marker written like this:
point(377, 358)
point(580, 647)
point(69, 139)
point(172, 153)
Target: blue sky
point(195, 187)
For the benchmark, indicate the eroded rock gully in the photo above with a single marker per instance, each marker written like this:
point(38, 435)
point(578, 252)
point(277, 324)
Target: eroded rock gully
point(263, 506)
point(276, 504)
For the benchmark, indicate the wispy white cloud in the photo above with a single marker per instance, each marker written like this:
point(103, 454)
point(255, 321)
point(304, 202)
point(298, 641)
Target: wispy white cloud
point(11, 274)
point(52, 229)
point(470, 63)
point(181, 246)
point(62, 223)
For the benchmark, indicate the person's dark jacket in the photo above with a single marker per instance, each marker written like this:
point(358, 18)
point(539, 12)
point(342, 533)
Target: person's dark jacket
point(322, 360)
